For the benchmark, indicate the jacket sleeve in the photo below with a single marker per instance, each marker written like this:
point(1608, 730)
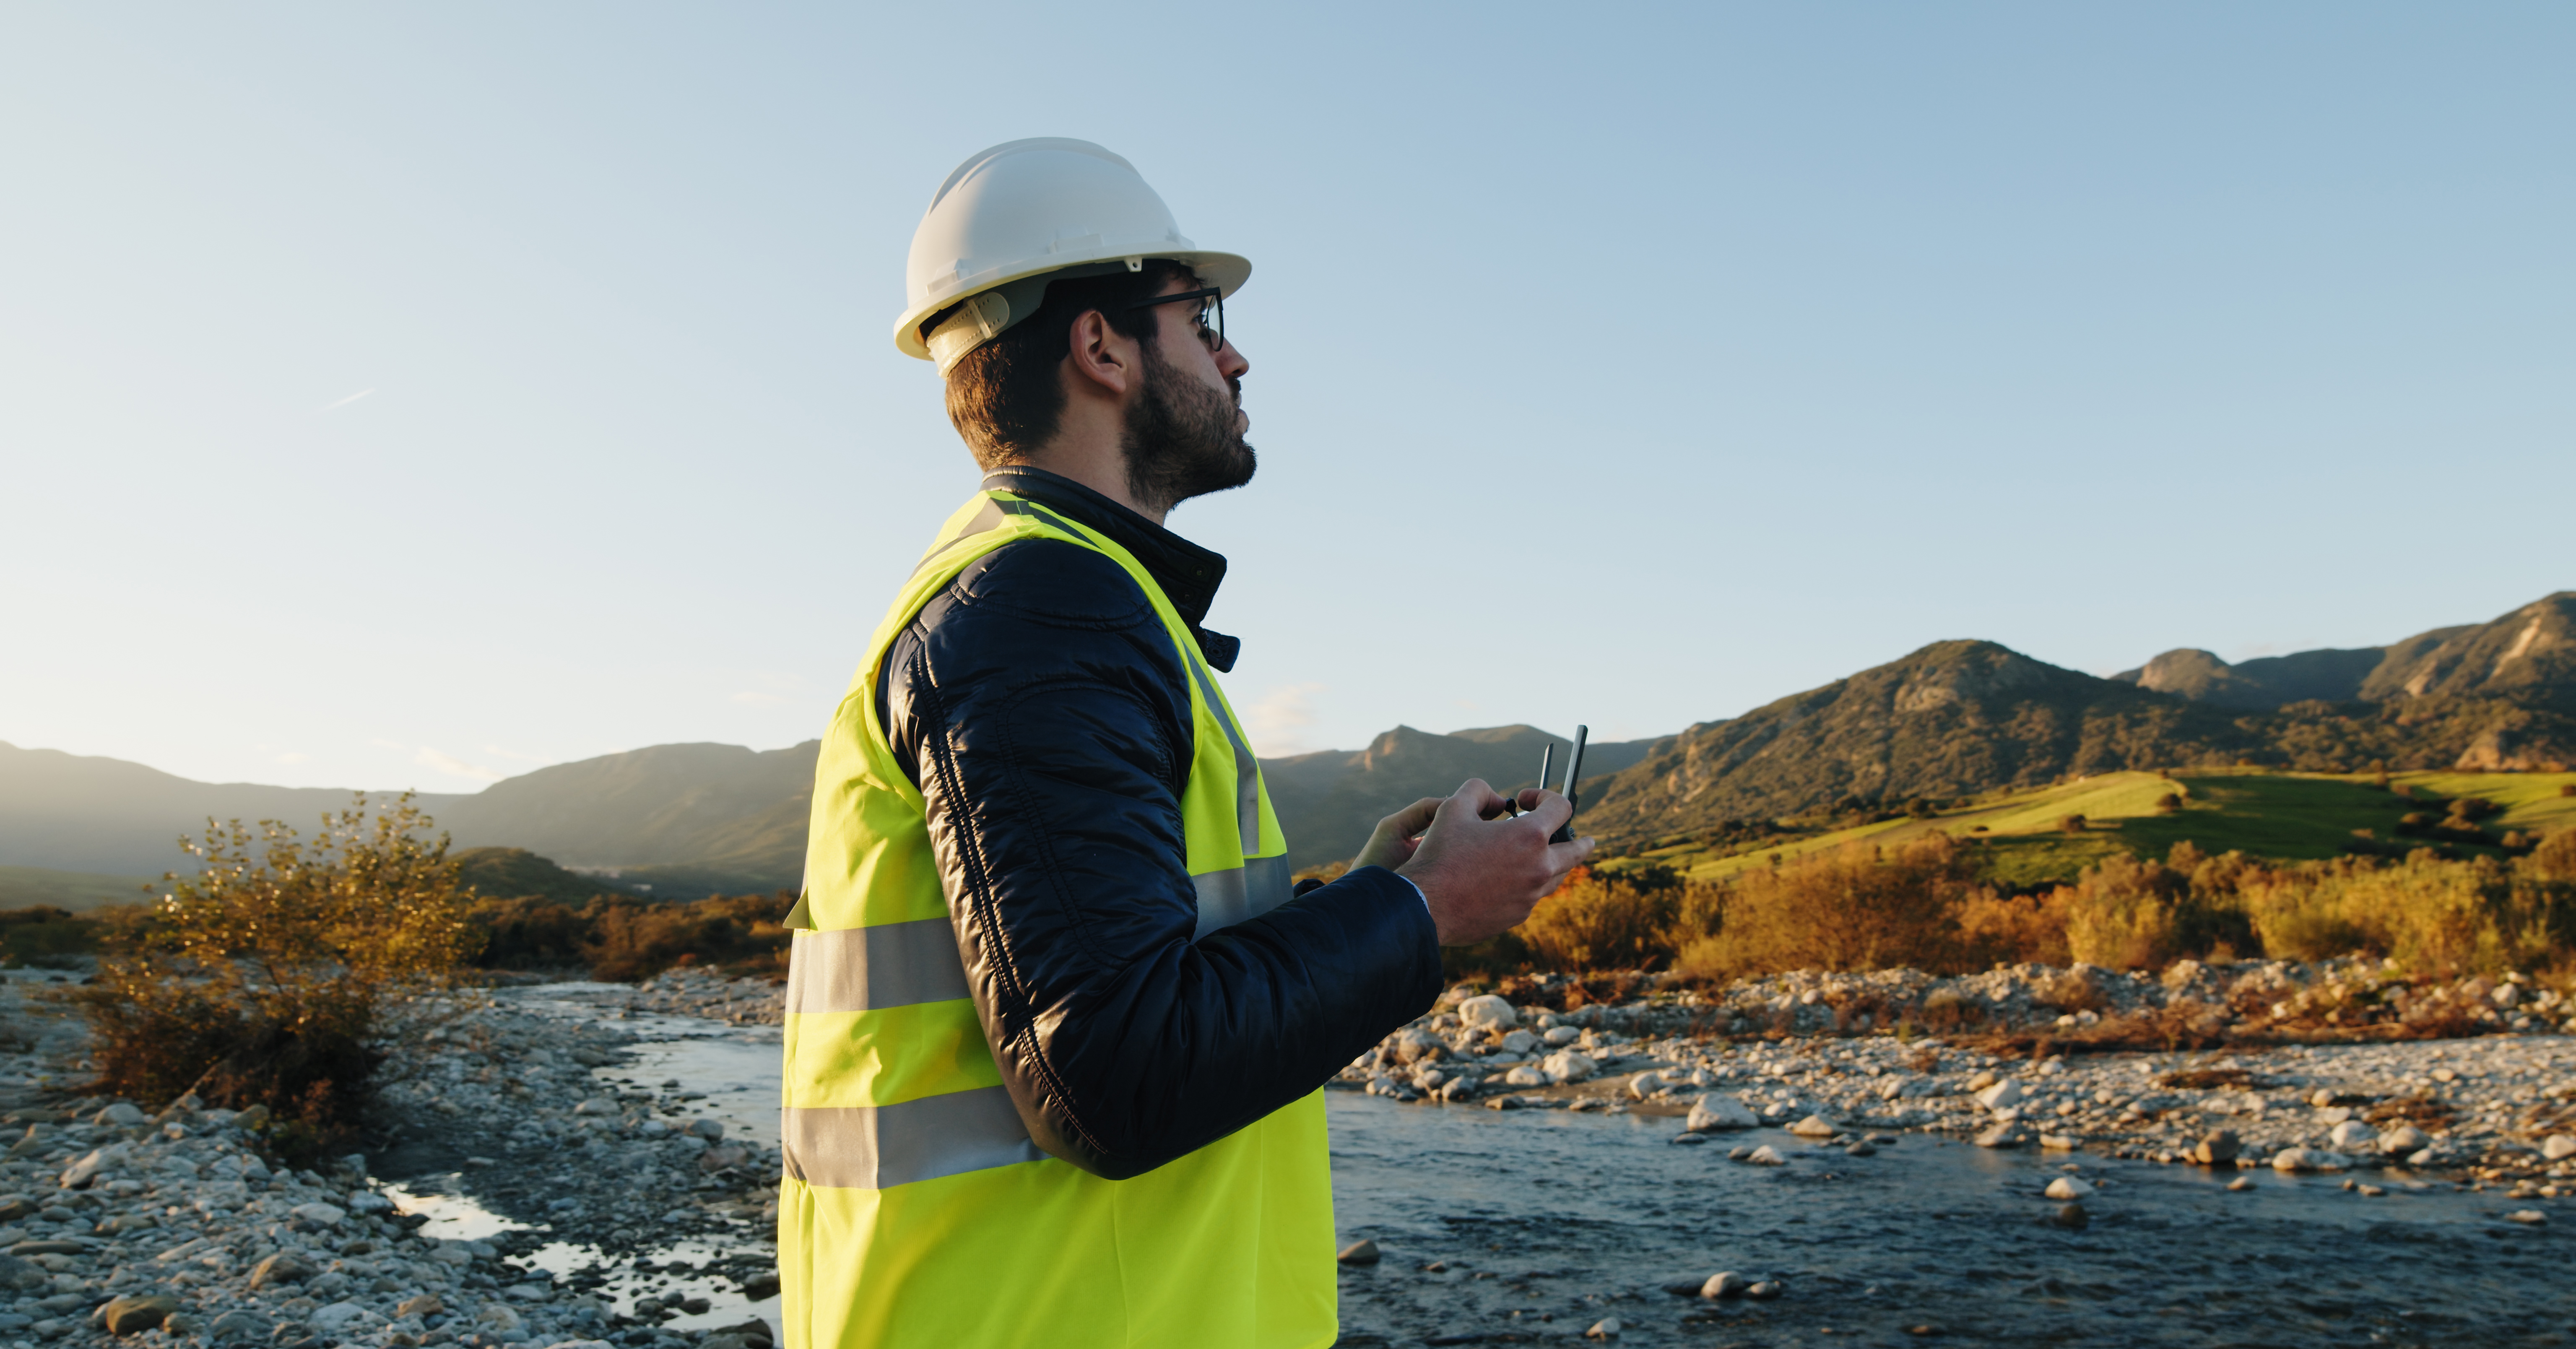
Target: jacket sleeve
point(1041, 708)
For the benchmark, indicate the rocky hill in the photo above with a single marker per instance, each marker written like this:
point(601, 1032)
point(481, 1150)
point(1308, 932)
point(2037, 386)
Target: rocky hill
point(1958, 718)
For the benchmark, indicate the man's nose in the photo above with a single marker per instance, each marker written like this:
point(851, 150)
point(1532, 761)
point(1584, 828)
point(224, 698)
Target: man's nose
point(1230, 361)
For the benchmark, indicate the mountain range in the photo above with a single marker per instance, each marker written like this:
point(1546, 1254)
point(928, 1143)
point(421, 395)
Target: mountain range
point(1953, 719)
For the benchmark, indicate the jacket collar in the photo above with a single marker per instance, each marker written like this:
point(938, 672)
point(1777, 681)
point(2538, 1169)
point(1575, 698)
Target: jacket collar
point(1188, 574)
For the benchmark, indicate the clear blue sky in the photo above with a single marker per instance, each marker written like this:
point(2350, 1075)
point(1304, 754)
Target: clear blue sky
point(406, 394)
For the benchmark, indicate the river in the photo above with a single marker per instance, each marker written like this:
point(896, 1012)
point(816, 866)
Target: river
point(1536, 1225)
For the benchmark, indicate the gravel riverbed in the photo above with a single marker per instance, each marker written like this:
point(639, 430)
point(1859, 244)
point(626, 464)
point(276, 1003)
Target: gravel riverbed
point(588, 1165)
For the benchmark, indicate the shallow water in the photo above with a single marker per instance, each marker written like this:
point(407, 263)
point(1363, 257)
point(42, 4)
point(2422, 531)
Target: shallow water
point(1548, 1221)
point(736, 1070)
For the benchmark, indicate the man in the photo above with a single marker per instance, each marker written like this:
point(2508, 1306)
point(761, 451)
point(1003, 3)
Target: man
point(1057, 1023)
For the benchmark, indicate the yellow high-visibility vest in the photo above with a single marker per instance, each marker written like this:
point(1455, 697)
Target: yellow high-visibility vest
point(915, 1211)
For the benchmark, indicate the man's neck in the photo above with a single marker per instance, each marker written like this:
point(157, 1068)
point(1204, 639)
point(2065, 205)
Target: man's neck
point(1098, 465)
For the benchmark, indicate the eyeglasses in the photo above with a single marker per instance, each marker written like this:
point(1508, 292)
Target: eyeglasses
point(1210, 301)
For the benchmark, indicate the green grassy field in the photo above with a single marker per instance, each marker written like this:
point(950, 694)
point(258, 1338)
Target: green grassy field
point(78, 891)
point(2257, 811)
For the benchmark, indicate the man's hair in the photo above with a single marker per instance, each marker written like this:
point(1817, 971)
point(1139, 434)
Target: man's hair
point(1005, 397)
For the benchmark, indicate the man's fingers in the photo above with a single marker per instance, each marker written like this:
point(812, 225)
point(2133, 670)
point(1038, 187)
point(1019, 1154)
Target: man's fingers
point(1480, 798)
point(1550, 810)
point(1565, 857)
point(1413, 819)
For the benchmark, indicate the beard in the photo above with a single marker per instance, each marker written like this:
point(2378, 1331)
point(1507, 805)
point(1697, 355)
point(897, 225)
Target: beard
point(1181, 440)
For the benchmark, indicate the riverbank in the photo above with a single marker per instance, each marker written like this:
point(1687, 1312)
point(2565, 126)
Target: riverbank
point(127, 1219)
point(586, 1164)
point(1838, 1054)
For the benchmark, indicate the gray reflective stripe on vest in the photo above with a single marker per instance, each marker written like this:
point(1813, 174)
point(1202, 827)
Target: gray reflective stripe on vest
point(1247, 769)
point(1248, 891)
point(860, 969)
point(879, 1147)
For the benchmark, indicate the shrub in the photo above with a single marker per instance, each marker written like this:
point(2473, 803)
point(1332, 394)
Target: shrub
point(1850, 909)
point(261, 981)
point(1594, 922)
point(2012, 930)
point(2168, 804)
point(622, 938)
point(2436, 917)
point(2073, 824)
point(46, 937)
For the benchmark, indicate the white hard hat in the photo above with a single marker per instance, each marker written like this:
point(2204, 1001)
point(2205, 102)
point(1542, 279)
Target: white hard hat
point(1024, 209)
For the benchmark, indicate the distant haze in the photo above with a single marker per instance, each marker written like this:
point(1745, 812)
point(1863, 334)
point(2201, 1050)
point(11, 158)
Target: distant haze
point(1951, 719)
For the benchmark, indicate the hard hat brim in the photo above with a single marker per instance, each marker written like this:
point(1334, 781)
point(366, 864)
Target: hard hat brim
point(1225, 271)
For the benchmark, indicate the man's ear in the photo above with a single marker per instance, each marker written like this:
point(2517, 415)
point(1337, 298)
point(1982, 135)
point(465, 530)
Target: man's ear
point(1101, 356)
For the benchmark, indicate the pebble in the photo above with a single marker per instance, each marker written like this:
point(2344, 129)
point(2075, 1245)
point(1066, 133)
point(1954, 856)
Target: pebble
point(1766, 1155)
point(1815, 1126)
point(2527, 1215)
point(1719, 1112)
point(1607, 1328)
point(1725, 1283)
point(2068, 1187)
point(2241, 1183)
point(1361, 1252)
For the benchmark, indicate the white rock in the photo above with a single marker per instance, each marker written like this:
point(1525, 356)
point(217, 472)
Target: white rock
point(1489, 1010)
point(1645, 1084)
point(2000, 1136)
point(368, 1201)
point(2506, 995)
point(1519, 1042)
point(2068, 1187)
point(1767, 1155)
point(1712, 1112)
point(2001, 1096)
point(1523, 1075)
point(319, 1214)
point(2558, 1147)
point(2352, 1133)
point(2527, 1215)
point(1890, 1088)
point(2405, 1138)
point(89, 1167)
point(597, 1105)
point(1815, 1126)
point(1607, 1328)
point(122, 1115)
point(1562, 1035)
point(1567, 1065)
point(1725, 1283)
point(2334, 1114)
point(499, 1316)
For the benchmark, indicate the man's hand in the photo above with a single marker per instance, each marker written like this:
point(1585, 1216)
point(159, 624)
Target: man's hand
point(1393, 842)
point(1484, 875)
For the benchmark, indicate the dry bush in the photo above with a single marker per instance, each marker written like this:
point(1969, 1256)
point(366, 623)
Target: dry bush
point(620, 939)
point(1596, 922)
point(1855, 908)
point(2013, 930)
point(2437, 918)
point(47, 937)
point(261, 981)
point(2123, 913)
